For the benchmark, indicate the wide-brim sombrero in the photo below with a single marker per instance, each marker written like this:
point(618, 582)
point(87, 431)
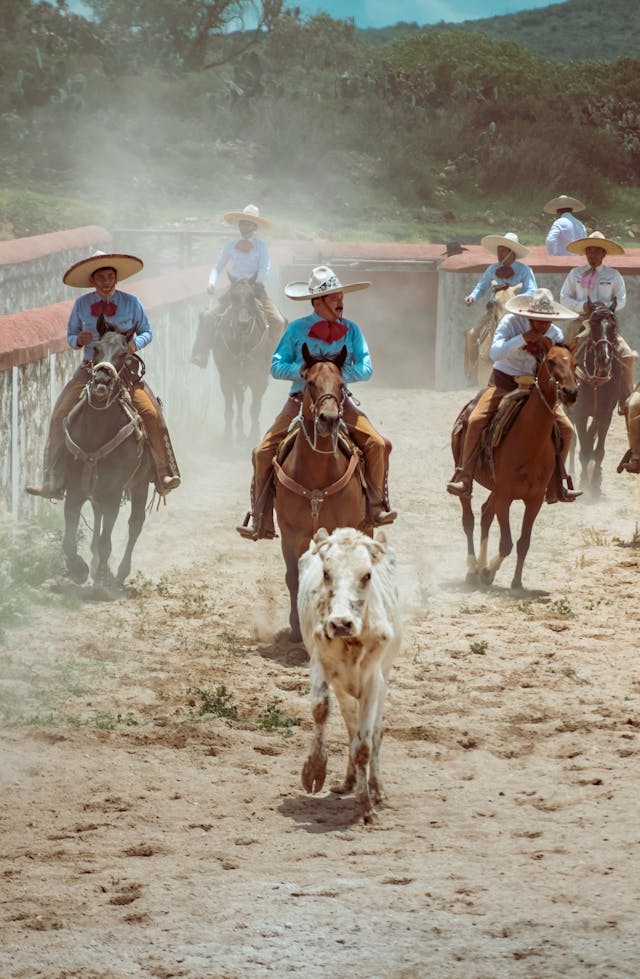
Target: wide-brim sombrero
point(595, 240)
point(539, 305)
point(510, 241)
point(79, 275)
point(323, 282)
point(558, 203)
point(249, 213)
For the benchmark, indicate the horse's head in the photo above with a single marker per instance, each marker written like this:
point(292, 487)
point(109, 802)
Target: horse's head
point(111, 351)
point(603, 331)
point(557, 381)
point(324, 392)
point(242, 298)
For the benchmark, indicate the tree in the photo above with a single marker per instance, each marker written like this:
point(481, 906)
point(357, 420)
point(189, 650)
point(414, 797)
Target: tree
point(181, 32)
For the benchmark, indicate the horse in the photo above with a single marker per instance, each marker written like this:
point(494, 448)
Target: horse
point(598, 371)
point(477, 341)
point(242, 349)
point(106, 456)
point(521, 468)
point(317, 484)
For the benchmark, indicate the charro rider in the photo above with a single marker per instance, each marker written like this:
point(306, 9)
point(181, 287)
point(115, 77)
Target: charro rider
point(325, 332)
point(566, 228)
point(243, 257)
point(507, 271)
point(101, 273)
point(596, 282)
point(522, 338)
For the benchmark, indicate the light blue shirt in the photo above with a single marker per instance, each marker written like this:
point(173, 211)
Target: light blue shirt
point(507, 350)
point(287, 357)
point(565, 229)
point(242, 265)
point(128, 314)
point(521, 273)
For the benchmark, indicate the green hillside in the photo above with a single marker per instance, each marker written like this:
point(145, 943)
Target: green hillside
point(577, 30)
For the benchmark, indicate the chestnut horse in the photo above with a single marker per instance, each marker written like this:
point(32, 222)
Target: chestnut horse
point(316, 485)
point(598, 372)
point(521, 469)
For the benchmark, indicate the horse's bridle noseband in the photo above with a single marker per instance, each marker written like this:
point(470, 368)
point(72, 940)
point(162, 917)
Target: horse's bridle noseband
point(314, 408)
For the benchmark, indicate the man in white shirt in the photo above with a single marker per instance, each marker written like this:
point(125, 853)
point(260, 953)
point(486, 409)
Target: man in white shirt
point(522, 338)
point(597, 282)
point(244, 257)
point(566, 228)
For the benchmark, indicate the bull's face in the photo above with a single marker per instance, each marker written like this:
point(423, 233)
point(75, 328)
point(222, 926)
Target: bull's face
point(346, 585)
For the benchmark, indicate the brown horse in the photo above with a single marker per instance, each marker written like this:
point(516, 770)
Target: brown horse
point(598, 370)
point(242, 349)
point(317, 485)
point(521, 468)
point(477, 341)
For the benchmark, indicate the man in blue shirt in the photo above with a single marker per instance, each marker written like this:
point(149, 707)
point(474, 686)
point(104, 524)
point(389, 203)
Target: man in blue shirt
point(507, 271)
point(325, 332)
point(101, 273)
point(243, 258)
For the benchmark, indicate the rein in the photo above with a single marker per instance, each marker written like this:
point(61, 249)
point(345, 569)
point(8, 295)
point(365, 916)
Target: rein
point(536, 384)
point(583, 372)
point(313, 444)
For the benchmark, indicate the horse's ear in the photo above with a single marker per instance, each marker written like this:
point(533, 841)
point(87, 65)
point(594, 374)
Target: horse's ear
point(517, 287)
point(590, 306)
point(101, 326)
point(306, 354)
point(614, 303)
point(340, 359)
point(573, 344)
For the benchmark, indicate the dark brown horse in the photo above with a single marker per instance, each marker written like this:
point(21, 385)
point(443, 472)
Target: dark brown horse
point(106, 455)
point(242, 349)
point(317, 485)
point(522, 466)
point(598, 371)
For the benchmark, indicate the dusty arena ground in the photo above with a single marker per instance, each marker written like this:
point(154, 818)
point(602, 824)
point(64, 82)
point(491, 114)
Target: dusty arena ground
point(153, 823)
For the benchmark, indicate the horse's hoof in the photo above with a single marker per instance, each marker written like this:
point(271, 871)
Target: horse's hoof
point(78, 570)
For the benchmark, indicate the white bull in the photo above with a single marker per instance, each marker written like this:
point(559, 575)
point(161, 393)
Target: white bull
point(348, 608)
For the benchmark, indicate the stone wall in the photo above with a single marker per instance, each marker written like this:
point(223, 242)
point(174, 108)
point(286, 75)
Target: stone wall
point(31, 269)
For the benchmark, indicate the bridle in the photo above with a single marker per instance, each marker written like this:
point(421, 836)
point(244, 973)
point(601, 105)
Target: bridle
point(314, 408)
point(595, 346)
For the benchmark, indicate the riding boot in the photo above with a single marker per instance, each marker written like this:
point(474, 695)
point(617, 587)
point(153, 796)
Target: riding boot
point(627, 359)
point(164, 460)
point(460, 484)
point(52, 486)
point(258, 523)
point(204, 338)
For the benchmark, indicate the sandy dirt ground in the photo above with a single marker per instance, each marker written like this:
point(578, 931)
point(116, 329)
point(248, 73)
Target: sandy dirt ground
point(143, 837)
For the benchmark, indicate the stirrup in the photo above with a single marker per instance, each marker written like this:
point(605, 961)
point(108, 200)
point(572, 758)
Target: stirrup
point(459, 488)
point(383, 517)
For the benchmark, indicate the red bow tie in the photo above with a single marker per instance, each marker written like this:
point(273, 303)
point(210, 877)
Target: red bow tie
point(104, 307)
point(327, 331)
point(504, 272)
point(243, 245)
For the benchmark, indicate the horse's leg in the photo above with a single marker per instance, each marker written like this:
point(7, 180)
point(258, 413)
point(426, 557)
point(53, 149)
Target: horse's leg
point(78, 568)
point(139, 493)
point(95, 541)
point(239, 395)
point(531, 510)
point(598, 453)
point(468, 525)
point(291, 555)
point(487, 514)
point(109, 516)
point(257, 392)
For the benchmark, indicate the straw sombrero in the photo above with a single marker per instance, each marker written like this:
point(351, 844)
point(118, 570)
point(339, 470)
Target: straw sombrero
point(558, 203)
point(323, 282)
point(249, 213)
point(510, 241)
point(79, 275)
point(595, 240)
point(539, 305)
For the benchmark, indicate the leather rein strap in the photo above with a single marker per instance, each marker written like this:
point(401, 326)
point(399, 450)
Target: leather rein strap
point(317, 497)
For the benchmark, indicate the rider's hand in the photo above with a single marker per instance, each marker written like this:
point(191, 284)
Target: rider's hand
point(468, 301)
point(132, 347)
point(84, 337)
